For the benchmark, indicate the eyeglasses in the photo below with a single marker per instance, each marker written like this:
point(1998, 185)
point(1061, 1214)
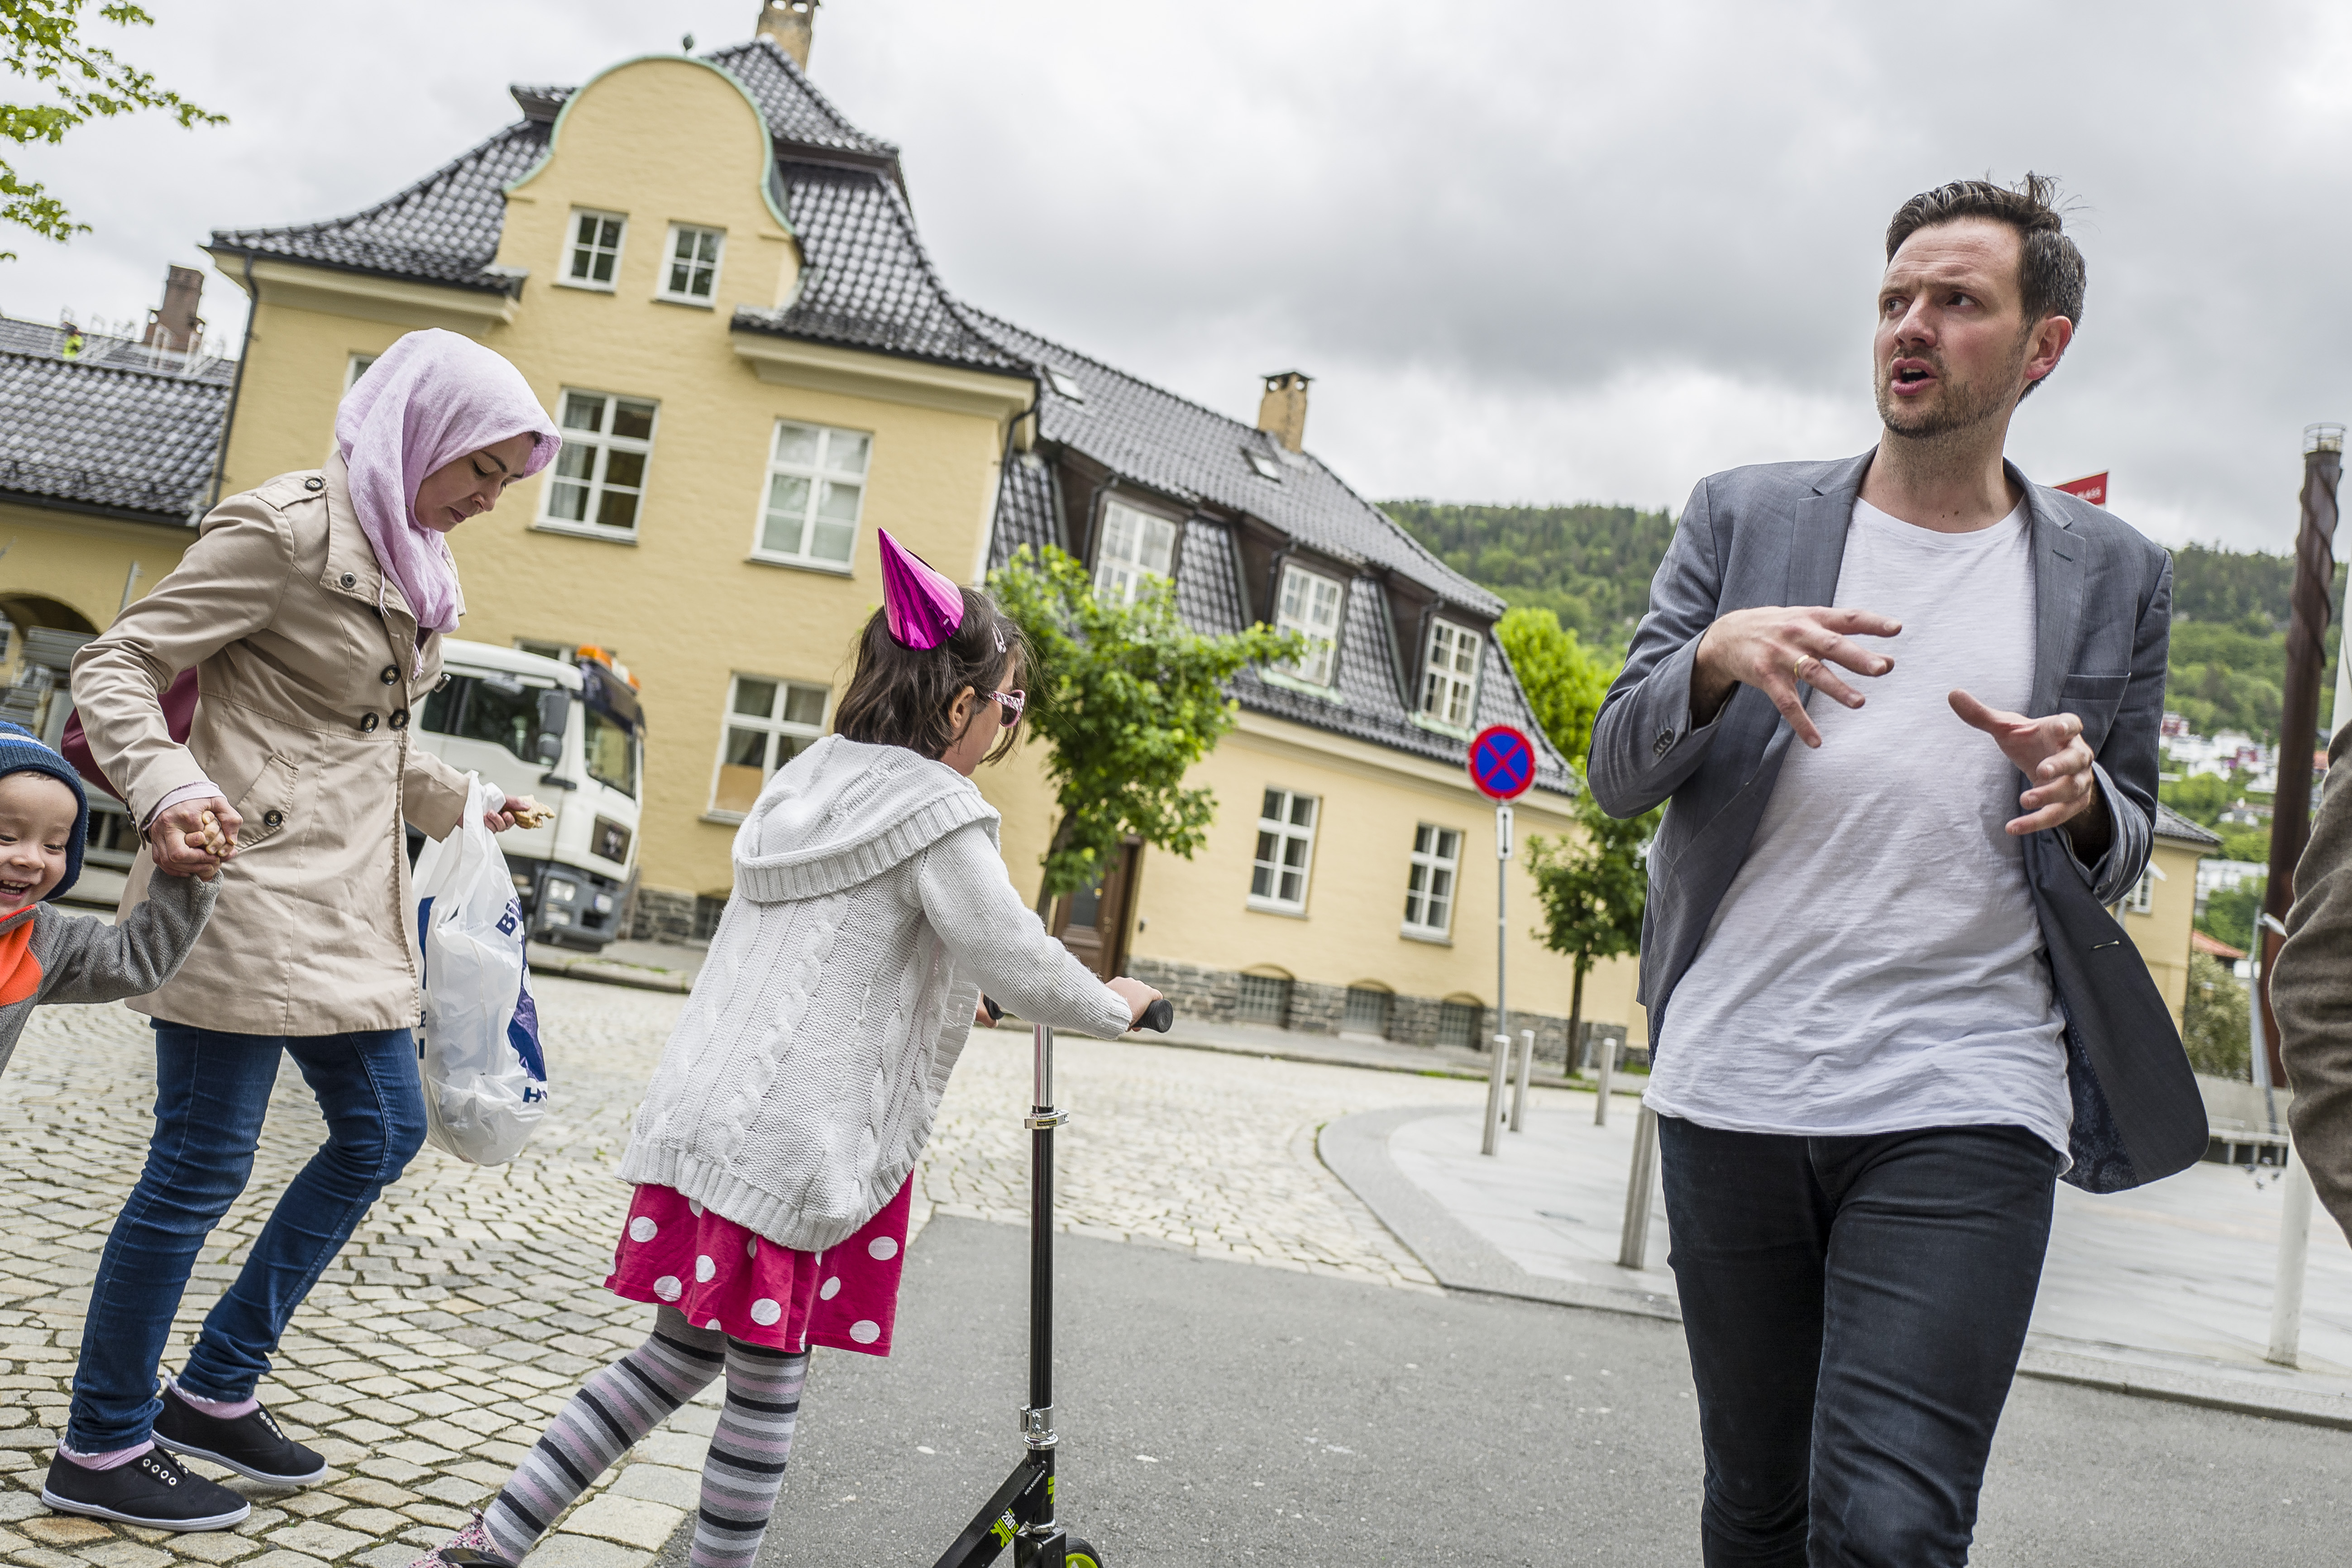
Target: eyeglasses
point(1011, 703)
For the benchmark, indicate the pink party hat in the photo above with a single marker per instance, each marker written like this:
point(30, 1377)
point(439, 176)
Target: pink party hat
point(924, 609)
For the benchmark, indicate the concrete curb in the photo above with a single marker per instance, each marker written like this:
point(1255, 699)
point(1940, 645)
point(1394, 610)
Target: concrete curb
point(604, 971)
point(1355, 1149)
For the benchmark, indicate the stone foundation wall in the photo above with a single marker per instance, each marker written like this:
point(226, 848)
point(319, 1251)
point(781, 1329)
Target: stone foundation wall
point(1207, 993)
point(660, 914)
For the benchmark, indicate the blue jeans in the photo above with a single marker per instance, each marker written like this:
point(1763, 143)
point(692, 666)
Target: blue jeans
point(1854, 1308)
point(212, 1092)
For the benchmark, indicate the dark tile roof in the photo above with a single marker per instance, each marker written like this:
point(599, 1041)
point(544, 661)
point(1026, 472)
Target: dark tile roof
point(2170, 824)
point(442, 230)
point(1197, 454)
point(109, 429)
point(798, 114)
point(866, 280)
point(1025, 508)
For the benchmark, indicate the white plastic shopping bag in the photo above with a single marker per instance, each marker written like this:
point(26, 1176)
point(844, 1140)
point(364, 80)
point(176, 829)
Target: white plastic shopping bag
point(484, 1079)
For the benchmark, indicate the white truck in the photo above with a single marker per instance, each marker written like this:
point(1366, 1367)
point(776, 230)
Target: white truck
point(570, 736)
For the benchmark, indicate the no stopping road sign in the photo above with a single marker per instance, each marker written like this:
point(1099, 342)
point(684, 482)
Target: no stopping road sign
point(1502, 762)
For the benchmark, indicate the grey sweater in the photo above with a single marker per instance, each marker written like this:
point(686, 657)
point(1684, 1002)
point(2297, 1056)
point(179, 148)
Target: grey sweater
point(871, 906)
point(81, 958)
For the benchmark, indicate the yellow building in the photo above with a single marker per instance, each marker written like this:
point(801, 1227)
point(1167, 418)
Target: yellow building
point(715, 282)
point(2160, 912)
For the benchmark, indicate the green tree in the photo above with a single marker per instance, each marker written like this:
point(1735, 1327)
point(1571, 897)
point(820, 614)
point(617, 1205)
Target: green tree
point(2213, 1024)
point(2200, 797)
point(2229, 913)
point(1592, 894)
point(41, 41)
point(1588, 564)
point(1128, 697)
point(1564, 680)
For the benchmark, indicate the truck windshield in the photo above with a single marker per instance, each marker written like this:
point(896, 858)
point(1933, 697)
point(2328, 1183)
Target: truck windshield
point(502, 712)
point(612, 751)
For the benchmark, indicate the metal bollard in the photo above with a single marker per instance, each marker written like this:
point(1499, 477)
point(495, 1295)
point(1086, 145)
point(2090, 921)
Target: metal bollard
point(1496, 1071)
point(1634, 1243)
point(1606, 1049)
point(2294, 1245)
point(1519, 1090)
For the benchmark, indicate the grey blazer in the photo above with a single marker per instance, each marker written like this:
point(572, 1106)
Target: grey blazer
point(1775, 534)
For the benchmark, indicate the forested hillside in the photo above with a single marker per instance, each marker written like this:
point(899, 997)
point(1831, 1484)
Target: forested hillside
point(1590, 565)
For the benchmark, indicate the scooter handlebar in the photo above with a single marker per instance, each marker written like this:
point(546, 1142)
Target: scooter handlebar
point(1159, 1016)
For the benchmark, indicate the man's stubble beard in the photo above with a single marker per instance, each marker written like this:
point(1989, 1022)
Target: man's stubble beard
point(1967, 407)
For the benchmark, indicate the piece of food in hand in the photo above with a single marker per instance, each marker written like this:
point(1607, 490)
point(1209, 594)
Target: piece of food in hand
point(216, 845)
point(536, 816)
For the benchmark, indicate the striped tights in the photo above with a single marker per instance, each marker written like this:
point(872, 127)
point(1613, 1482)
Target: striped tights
point(627, 1400)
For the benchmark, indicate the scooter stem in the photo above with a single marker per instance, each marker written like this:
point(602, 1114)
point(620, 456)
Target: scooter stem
point(1037, 1420)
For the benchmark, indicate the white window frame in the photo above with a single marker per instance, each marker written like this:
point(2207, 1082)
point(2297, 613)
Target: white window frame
point(355, 366)
point(604, 443)
point(821, 476)
point(574, 250)
point(1320, 663)
point(1428, 863)
point(670, 262)
point(773, 725)
point(1135, 545)
point(2141, 899)
point(1449, 693)
point(1284, 833)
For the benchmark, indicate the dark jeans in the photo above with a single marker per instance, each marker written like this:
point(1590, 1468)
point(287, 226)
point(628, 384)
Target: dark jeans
point(211, 1091)
point(1854, 1308)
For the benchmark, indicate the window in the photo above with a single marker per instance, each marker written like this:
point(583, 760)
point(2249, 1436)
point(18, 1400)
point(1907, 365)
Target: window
point(1457, 1024)
point(356, 367)
point(817, 488)
point(1310, 603)
point(1450, 678)
point(2142, 898)
point(599, 474)
point(594, 252)
point(1429, 887)
point(1263, 999)
point(613, 752)
point(498, 708)
point(769, 722)
point(1286, 844)
point(1135, 545)
point(1367, 1012)
point(690, 275)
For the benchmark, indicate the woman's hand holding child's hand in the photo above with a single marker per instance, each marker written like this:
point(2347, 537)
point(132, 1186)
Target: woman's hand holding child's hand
point(1136, 994)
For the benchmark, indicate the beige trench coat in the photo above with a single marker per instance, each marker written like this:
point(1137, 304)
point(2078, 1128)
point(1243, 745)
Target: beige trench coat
point(307, 666)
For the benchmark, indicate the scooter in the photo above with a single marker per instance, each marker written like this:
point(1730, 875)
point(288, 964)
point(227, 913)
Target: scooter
point(1021, 1514)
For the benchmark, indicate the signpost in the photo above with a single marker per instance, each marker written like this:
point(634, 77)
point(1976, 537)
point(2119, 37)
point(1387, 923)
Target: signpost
point(2092, 488)
point(1503, 766)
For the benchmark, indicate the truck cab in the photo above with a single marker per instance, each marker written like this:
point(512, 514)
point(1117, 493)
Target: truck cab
point(572, 736)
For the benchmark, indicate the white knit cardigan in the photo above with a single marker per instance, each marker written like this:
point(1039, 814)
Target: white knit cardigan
point(871, 908)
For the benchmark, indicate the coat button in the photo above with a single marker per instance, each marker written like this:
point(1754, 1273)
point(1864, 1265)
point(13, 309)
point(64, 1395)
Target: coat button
point(314, 483)
point(442, 684)
point(273, 819)
point(399, 718)
point(349, 580)
point(391, 674)
point(367, 723)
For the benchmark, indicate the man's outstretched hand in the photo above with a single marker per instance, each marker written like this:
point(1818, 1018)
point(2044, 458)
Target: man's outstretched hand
point(2053, 754)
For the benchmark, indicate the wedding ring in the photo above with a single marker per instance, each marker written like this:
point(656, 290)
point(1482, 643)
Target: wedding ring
point(1797, 666)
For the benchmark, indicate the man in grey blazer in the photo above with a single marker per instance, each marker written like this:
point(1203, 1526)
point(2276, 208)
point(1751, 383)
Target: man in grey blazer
point(1904, 708)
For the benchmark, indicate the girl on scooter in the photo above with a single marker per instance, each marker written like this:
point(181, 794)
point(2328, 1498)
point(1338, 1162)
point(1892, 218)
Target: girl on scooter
point(774, 1148)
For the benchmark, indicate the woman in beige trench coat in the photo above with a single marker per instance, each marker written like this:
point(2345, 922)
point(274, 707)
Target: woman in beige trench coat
point(312, 608)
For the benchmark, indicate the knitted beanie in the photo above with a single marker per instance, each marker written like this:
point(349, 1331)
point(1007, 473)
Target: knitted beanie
point(21, 751)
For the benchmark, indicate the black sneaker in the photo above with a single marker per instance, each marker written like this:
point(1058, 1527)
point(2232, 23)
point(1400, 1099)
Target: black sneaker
point(250, 1443)
point(153, 1490)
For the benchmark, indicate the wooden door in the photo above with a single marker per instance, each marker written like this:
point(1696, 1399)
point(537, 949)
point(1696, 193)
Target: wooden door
point(1093, 922)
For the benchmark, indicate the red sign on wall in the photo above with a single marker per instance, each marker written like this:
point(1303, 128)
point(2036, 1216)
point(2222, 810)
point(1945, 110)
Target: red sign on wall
point(2092, 488)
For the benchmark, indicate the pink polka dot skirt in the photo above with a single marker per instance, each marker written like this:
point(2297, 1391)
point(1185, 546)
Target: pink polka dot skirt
point(676, 1253)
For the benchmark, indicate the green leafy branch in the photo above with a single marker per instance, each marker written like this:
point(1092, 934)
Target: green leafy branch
point(40, 40)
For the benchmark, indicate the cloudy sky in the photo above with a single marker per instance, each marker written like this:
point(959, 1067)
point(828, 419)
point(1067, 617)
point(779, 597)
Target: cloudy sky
point(1530, 252)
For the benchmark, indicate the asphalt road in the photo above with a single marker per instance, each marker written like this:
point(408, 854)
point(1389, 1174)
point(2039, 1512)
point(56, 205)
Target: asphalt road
point(1220, 1413)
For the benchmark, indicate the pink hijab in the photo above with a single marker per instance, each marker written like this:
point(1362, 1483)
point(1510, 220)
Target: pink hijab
point(427, 401)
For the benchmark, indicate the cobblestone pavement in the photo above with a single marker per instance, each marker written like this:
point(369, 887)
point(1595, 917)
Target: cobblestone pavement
point(467, 1307)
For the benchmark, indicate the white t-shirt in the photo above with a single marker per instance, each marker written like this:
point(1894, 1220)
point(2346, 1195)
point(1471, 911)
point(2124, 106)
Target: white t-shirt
point(1877, 965)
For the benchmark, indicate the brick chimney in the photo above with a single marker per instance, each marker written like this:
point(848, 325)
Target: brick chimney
point(789, 23)
point(174, 324)
point(1282, 412)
